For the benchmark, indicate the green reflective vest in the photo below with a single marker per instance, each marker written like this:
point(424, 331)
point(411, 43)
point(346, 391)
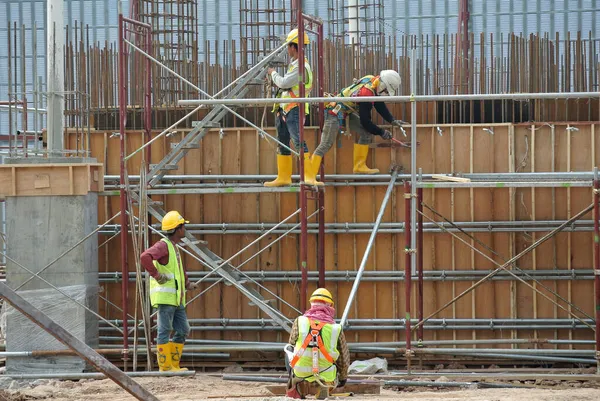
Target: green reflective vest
point(330, 334)
point(294, 92)
point(173, 291)
point(351, 91)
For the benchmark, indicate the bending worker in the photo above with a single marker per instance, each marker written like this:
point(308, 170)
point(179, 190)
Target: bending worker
point(316, 332)
point(168, 284)
point(359, 115)
point(287, 117)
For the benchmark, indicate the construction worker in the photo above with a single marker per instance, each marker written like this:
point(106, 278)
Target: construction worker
point(359, 115)
point(288, 115)
point(168, 285)
point(316, 332)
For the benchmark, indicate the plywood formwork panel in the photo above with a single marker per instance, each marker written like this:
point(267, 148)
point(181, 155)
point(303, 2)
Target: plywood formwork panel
point(460, 149)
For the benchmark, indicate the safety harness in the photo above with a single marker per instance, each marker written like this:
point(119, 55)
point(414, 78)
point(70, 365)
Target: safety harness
point(314, 340)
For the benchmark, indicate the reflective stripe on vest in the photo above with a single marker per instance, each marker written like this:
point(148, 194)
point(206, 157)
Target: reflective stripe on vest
point(173, 291)
point(368, 81)
point(302, 363)
point(294, 92)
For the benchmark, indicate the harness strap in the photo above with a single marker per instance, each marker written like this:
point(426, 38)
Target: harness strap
point(315, 331)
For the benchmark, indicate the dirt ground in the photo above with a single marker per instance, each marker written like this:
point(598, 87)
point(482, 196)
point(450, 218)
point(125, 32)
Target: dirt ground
point(203, 387)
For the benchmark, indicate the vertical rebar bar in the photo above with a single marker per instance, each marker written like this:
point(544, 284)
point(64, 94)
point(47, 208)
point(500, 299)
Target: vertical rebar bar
point(123, 194)
point(10, 114)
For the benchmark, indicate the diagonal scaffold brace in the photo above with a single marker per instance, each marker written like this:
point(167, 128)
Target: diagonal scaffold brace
point(80, 348)
point(363, 263)
point(508, 263)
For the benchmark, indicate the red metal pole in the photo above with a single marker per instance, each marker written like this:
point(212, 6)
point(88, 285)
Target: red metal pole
point(321, 202)
point(420, 260)
point(597, 265)
point(407, 263)
point(303, 189)
point(123, 193)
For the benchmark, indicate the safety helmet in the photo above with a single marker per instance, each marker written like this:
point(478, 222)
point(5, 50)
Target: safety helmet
point(172, 220)
point(321, 294)
point(389, 80)
point(293, 37)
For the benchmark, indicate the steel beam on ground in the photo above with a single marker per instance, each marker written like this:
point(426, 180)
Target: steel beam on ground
point(365, 258)
point(75, 344)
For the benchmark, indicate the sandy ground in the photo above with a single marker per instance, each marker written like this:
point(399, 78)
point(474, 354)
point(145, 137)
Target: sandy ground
point(203, 387)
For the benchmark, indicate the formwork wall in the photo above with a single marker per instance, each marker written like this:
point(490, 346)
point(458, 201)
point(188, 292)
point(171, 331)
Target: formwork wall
point(460, 149)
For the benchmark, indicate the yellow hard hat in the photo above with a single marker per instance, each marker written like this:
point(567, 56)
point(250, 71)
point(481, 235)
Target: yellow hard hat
point(293, 37)
point(321, 294)
point(172, 220)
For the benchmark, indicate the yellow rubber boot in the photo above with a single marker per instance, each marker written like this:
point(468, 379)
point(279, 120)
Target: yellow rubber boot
point(176, 351)
point(163, 355)
point(284, 172)
point(360, 159)
point(315, 162)
point(309, 173)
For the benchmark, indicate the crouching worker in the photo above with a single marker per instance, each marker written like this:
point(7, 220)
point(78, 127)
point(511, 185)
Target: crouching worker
point(317, 349)
point(168, 284)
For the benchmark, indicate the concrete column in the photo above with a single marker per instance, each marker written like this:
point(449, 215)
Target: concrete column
point(39, 229)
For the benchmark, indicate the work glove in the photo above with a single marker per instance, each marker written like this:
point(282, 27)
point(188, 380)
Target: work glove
point(341, 383)
point(386, 135)
point(398, 123)
point(193, 286)
point(162, 278)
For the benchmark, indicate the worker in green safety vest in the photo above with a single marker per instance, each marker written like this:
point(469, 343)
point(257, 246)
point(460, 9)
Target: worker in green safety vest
point(317, 350)
point(288, 115)
point(168, 285)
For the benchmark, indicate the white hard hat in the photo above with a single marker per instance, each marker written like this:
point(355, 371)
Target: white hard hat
point(390, 81)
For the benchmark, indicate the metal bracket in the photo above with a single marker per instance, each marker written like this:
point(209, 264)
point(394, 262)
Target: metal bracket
point(596, 191)
point(410, 250)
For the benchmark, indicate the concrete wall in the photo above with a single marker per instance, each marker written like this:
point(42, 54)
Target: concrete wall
point(39, 229)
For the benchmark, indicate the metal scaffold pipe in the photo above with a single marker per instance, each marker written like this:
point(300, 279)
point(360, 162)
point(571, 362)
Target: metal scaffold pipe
point(596, 198)
point(365, 258)
point(532, 176)
point(398, 99)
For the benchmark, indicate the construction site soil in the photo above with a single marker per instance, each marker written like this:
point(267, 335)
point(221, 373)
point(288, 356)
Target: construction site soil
point(203, 387)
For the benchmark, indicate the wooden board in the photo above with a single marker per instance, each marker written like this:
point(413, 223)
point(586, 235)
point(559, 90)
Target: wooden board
point(50, 179)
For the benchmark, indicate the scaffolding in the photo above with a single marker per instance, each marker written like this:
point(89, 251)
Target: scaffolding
point(155, 180)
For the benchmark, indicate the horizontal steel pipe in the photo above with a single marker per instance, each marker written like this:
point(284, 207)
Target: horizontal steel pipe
point(414, 383)
point(259, 188)
point(356, 322)
point(396, 99)
point(539, 176)
point(95, 376)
